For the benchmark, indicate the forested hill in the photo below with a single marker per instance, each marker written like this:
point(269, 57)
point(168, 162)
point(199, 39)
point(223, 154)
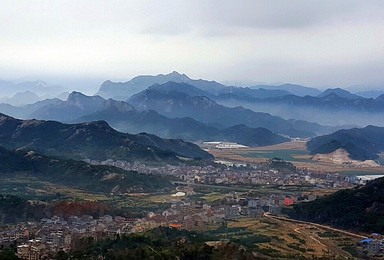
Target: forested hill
point(77, 174)
point(360, 209)
point(93, 140)
point(361, 143)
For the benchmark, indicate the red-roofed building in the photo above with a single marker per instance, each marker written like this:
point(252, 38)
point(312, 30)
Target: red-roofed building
point(288, 201)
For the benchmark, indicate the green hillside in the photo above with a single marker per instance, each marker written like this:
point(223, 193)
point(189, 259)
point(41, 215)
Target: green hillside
point(361, 208)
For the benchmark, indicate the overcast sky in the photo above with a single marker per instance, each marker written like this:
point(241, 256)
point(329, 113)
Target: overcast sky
point(316, 43)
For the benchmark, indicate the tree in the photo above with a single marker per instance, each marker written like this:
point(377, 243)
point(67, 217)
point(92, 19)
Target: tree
point(61, 255)
point(8, 254)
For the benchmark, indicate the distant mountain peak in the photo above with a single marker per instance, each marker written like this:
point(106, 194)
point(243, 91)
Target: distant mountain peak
point(339, 92)
point(75, 96)
point(82, 101)
point(41, 83)
point(75, 93)
point(78, 95)
point(176, 73)
point(124, 90)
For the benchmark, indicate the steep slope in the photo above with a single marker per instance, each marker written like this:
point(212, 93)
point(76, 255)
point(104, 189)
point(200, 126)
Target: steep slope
point(361, 208)
point(75, 106)
point(94, 140)
point(361, 143)
point(77, 174)
point(176, 104)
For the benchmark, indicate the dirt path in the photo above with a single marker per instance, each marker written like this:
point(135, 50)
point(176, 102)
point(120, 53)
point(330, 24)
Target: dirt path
point(304, 229)
point(317, 225)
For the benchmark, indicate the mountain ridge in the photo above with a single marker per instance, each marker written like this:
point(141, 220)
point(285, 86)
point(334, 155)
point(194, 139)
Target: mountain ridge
point(93, 140)
point(176, 104)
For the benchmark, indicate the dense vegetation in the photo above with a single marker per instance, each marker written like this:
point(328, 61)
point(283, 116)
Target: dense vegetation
point(361, 208)
point(160, 243)
point(78, 174)
point(281, 165)
point(15, 209)
point(361, 143)
point(95, 140)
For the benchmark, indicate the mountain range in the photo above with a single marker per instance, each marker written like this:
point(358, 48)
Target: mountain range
point(175, 103)
point(125, 118)
point(38, 87)
point(330, 99)
point(186, 128)
point(122, 91)
point(330, 109)
point(334, 106)
point(94, 140)
point(202, 110)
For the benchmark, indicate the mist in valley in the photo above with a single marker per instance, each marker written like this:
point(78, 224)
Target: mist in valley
point(344, 118)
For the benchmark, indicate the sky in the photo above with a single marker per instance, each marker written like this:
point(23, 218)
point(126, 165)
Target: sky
point(315, 43)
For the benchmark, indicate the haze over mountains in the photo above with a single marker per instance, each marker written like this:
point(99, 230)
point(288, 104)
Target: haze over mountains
point(294, 89)
point(24, 89)
point(172, 103)
point(288, 101)
point(176, 106)
point(124, 117)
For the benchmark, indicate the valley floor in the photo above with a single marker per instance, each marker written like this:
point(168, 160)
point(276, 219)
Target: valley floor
point(294, 152)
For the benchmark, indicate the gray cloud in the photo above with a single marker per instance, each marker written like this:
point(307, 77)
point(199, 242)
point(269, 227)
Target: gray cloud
point(309, 42)
point(218, 17)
